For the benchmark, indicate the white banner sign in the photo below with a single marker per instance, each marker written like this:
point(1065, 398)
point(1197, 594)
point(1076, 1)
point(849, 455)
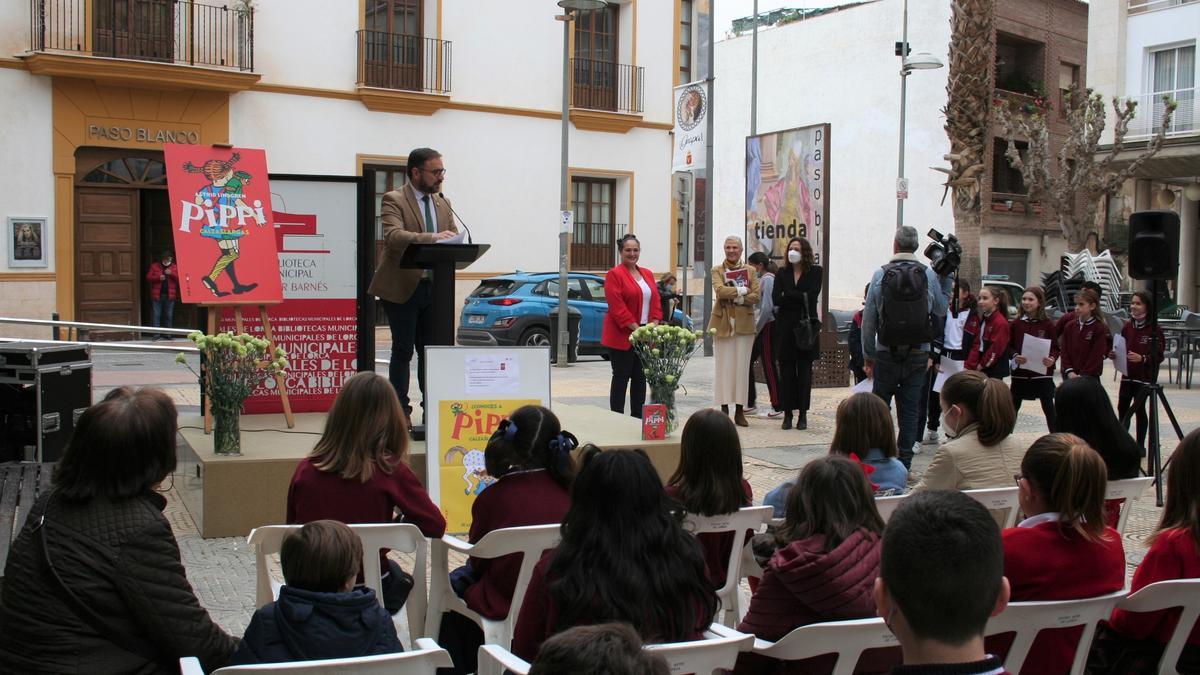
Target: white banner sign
point(691, 125)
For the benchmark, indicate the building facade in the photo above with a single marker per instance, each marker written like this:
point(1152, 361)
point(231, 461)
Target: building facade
point(327, 89)
point(1146, 49)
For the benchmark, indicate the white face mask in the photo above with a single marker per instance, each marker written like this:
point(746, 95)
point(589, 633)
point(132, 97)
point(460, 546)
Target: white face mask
point(793, 257)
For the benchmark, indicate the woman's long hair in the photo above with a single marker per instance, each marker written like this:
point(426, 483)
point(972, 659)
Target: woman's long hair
point(708, 480)
point(625, 556)
point(1182, 509)
point(989, 401)
point(365, 430)
point(531, 438)
point(1084, 409)
point(1001, 297)
point(807, 259)
point(832, 497)
point(1091, 297)
point(1039, 314)
point(863, 423)
point(1069, 476)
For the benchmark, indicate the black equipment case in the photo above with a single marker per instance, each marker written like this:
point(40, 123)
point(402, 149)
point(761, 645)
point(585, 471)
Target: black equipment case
point(43, 391)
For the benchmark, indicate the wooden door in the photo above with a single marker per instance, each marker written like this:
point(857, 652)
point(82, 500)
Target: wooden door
point(596, 59)
point(107, 279)
point(393, 49)
point(135, 29)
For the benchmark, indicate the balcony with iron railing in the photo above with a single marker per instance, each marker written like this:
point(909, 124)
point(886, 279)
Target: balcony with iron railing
point(144, 41)
point(606, 96)
point(403, 73)
point(1150, 109)
point(1143, 6)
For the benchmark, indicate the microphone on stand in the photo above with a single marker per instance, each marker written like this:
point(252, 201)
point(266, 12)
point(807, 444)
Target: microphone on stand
point(464, 224)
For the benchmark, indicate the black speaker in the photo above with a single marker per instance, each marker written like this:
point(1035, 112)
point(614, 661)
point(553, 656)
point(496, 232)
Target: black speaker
point(1153, 244)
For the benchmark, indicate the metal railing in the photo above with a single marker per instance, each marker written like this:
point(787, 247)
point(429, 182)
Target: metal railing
point(166, 31)
point(406, 62)
point(602, 85)
point(74, 327)
point(1150, 109)
point(1142, 6)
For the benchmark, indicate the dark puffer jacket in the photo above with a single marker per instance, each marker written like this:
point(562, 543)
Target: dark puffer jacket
point(305, 626)
point(120, 559)
point(804, 584)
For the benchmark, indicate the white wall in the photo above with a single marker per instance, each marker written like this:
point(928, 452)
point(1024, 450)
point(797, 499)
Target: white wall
point(27, 178)
point(1175, 26)
point(1106, 53)
point(842, 69)
point(14, 28)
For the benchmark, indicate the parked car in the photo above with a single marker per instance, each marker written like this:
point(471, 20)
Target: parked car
point(514, 309)
point(1014, 290)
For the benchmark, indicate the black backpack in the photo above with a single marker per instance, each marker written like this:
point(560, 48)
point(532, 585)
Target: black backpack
point(904, 318)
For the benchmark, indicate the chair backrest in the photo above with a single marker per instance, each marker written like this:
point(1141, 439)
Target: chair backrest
point(847, 639)
point(1129, 490)
point(424, 659)
point(703, 656)
point(531, 541)
point(997, 499)
point(1182, 593)
point(751, 518)
point(1026, 619)
point(887, 505)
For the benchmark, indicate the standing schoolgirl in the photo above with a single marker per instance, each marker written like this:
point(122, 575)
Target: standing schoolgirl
point(989, 350)
point(1137, 343)
point(1028, 384)
point(1085, 339)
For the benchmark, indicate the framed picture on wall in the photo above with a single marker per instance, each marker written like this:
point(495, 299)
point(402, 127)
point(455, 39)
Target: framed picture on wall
point(26, 242)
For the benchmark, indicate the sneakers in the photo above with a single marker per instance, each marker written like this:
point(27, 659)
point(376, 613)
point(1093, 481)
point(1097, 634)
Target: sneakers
point(917, 448)
point(932, 438)
point(773, 414)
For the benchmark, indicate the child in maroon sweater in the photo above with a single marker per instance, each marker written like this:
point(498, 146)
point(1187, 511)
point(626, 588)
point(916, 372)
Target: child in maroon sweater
point(988, 351)
point(1028, 384)
point(1138, 342)
point(1085, 340)
point(357, 473)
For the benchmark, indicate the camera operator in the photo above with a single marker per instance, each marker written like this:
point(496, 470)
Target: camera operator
point(904, 298)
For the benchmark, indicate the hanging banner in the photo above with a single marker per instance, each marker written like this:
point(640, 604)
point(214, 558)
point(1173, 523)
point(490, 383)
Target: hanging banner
point(787, 193)
point(691, 127)
point(221, 217)
point(317, 322)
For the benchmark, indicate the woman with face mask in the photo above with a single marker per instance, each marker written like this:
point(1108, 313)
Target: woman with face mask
point(980, 452)
point(795, 294)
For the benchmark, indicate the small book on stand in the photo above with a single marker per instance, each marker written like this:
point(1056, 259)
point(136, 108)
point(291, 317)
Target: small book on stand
point(654, 421)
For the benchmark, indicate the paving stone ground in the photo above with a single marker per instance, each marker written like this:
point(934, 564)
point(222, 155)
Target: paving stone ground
point(222, 570)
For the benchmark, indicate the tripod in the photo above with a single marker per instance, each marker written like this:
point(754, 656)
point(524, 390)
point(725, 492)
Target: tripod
point(1153, 391)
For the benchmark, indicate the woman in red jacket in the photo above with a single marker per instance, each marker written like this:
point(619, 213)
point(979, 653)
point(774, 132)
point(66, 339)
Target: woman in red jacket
point(988, 352)
point(1133, 641)
point(825, 566)
point(1029, 384)
point(163, 277)
point(624, 556)
point(1142, 363)
point(358, 473)
point(1085, 339)
point(1062, 550)
point(633, 301)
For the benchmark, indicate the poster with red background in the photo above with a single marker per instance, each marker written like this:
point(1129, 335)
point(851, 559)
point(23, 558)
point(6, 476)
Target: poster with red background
point(224, 233)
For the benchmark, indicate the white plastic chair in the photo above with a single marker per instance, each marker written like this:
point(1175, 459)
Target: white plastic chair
point(750, 566)
point(887, 505)
point(751, 518)
point(1027, 619)
point(718, 650)
point(998, 499)
point(530, 541)
point(847, 639)
point(1182, 593)
point(400, 537)
point(425, 659)
point(1130, 490)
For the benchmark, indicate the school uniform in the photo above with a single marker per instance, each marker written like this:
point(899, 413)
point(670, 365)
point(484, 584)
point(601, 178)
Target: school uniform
point(1043, 562)
point(1029, 385)
point(988, 352)
point(717, 544)
point(1138, 340)
point(1085, 344)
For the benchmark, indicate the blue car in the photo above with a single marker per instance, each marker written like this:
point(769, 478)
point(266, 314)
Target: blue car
point(514, 309)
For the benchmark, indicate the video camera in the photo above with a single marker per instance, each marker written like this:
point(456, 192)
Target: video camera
point(945, 253)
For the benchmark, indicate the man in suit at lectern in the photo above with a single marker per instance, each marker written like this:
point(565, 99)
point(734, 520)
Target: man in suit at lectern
point(414, 213)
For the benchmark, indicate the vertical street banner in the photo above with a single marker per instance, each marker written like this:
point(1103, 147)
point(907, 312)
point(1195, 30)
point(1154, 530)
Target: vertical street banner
point(317, 322)
point(221, 217)
point(691, 127)
point(464, 429)
point(787, 193)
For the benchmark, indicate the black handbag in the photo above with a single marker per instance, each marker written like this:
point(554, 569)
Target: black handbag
point(807, 332)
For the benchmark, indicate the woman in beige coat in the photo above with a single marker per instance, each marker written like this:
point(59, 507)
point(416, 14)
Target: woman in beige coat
point(736, 291)
point(979, 418)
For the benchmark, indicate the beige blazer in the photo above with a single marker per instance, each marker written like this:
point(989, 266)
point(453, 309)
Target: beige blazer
point(964, 463)
point(725, 307)
point(404, 224)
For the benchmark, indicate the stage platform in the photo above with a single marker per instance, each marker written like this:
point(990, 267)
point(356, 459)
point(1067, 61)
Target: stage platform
point(229, 496)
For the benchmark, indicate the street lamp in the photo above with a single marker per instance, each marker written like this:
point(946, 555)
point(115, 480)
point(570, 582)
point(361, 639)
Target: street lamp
point(564, 335)
point(920, 61)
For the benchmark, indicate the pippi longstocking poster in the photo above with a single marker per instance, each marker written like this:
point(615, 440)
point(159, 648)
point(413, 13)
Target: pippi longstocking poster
point(224, 233)
point(465, 427)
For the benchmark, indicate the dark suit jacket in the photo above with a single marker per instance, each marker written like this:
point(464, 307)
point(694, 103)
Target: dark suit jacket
point(789, 298)
point(404, 224)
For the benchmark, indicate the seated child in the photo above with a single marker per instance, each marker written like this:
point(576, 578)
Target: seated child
point(319, 613)
point(601, 649)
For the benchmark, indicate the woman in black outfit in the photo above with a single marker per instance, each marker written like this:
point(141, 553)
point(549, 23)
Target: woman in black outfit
point(797, 287)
